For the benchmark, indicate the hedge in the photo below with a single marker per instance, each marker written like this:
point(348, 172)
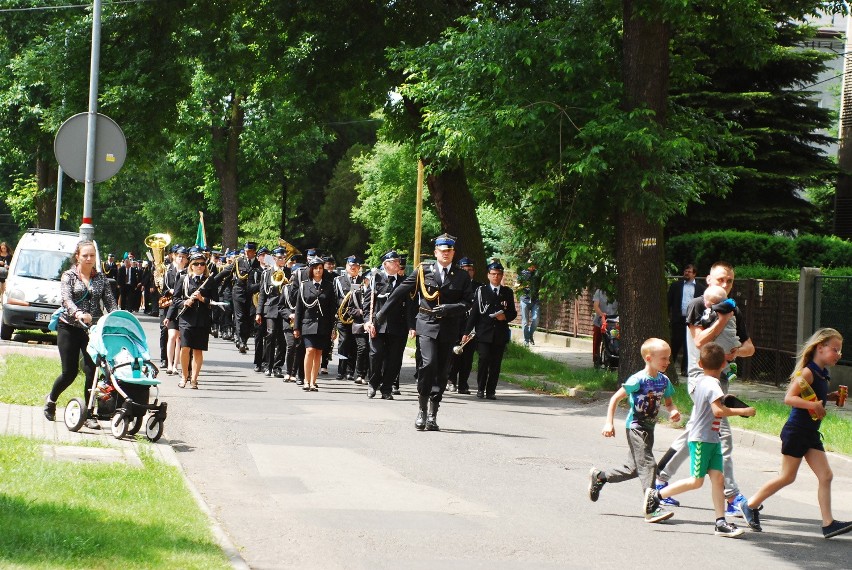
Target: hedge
point(755, 249)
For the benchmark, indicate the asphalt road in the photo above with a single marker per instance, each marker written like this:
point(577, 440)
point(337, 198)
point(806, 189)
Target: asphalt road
point(332, 479)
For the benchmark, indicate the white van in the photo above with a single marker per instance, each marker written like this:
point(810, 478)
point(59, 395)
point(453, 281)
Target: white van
point(33, 280)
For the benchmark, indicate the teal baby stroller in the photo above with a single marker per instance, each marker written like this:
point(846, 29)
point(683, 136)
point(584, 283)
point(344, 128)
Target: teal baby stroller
point(125, 376)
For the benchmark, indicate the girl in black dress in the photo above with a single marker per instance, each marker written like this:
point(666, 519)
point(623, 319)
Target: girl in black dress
point(316, 308)
point(191, 309)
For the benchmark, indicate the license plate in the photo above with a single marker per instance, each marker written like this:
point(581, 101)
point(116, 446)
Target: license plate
point(43, 317)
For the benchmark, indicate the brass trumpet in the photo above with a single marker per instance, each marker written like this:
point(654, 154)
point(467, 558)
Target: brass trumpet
point(459, 348)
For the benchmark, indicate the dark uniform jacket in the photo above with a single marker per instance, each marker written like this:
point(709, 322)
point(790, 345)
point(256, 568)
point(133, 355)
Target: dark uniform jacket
point(122, 276)
point(485, 305)
point(395, 321)
point(318, 318)
point(440, 317)
point(271, 303)
point(197, 315)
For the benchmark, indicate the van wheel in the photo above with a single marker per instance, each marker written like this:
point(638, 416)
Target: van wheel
point(6, 331)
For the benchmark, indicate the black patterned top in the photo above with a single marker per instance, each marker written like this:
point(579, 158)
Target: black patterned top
point(92, 299)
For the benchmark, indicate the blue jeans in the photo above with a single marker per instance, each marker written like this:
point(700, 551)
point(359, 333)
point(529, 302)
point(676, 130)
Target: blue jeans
point(529, 317)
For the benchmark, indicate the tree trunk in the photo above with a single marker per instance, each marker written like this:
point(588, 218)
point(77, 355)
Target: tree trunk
point(283, 229)
point(45, 200)
point(226, 148)
point(639, 250)
point(457, 212)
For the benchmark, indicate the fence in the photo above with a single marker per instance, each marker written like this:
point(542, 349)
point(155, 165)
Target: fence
point(832, 296)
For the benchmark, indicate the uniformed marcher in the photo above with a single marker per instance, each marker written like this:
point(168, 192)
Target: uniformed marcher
point(169, 335)
point(443, 293)
point(111, 272)
point(294, 360)
point(246, 271)
point(388, 337)
point(315, 312)
point(345, 287)
point(493, 310)
point(461, 364)
point(273, 315)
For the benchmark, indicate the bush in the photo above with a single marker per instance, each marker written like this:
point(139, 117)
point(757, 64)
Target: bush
point(753, 249)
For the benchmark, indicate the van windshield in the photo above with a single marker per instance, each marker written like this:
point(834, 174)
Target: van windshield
point(46, 265)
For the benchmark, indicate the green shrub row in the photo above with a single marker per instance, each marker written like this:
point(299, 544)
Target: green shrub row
point(758, 250)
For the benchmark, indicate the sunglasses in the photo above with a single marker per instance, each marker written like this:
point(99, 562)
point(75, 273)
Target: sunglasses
point(198, 263)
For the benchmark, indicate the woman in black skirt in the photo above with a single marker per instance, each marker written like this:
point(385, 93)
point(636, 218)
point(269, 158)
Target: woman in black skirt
point(316, 308)
point(191, 309)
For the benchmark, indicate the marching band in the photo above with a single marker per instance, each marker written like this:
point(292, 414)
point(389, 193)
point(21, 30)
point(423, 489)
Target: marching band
point(295, 307)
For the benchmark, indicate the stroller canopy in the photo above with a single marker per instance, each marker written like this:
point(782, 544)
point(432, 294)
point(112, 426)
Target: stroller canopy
point(116, 332)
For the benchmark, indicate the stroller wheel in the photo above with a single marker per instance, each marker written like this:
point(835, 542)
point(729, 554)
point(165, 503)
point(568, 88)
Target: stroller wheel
point(154, 428)
point(118, 425)
point(134, 425)
point(75, 414)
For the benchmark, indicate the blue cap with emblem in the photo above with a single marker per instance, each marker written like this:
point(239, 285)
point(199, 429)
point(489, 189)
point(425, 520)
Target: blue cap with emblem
point(263, 249)
point(465, 262)
point(311, 252)
point(392, 254)
point(250, 245)
point(315, 260)
point(279, 251)
point(495, 264)
point(180, 250)
point(354, 260)
point(445, 241)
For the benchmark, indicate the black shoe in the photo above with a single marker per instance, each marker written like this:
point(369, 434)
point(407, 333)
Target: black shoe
point(490, 397)
point(387, 397)
point(836, 528)
point(92, 423)
point(351, 377)
point(371, 392)
point(396, 392)
point(49, 410)
point(595, 484)
point(300, 382)
point(164, 363)
point(258, 368)
point(340, 376)
point(751, 516)
point(268, 373)
point(464, 390)
point(432, 417)
point(480, 394)
point(323, 370)
point(243, 348)
point(277, 373)
point(451, 387)
point(727, 530)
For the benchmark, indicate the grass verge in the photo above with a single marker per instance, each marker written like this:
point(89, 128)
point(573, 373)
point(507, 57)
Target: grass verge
point(25, 380)
point(523, 367)
point(58, 514)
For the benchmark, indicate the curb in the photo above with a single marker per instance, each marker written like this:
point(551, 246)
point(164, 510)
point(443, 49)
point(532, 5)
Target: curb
point(222, 538)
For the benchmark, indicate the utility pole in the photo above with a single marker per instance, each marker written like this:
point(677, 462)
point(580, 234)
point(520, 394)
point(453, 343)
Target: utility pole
point(87, 230)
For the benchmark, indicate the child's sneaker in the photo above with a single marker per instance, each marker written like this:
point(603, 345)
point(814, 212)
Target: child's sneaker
point(751, 516)
point(727, 530)
point(671, 501)
point(595, 483)
point(734, 508)
point(835, 528)
point(653, 512)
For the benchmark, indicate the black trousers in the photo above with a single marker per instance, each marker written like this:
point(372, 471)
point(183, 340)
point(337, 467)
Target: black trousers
point(242, 313)
point(258, 344)
point(362, 355)
point(274, 345)
point(164, 335)
point(386, 351)
point(434, 366)
point(346, 349)
point(71, 341)
point(490, 361)
point(678, 332)
point(128, 298)
point(295, 359)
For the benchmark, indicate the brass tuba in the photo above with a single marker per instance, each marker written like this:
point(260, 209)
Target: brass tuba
point(291, 249)
point(158, 244)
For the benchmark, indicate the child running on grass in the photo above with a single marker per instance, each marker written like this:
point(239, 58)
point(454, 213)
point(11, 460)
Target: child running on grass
point(646, 389)
point(800, 437)
point(705, 445)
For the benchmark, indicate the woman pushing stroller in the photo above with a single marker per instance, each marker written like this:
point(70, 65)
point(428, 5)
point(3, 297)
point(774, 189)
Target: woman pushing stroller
point(191, 309)
point(85, 295)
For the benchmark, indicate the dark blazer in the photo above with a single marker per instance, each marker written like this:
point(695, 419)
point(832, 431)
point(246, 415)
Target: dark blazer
point(675, 294)
point(198, 314)
point(271, 302)
point(122, 276)
point(395, 319)
point(318, 319)
point(440, 317)
point(485, 304)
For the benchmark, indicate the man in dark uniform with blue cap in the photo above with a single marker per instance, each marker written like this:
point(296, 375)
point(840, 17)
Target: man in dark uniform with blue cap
point(461, 364)
point(493, 309)
point(387, 341)
point(246, 270)
point(443, 294)
point(344, 285)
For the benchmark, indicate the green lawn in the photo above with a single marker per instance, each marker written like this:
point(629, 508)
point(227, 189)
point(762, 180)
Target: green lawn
point(56, 514)
point(523, 367)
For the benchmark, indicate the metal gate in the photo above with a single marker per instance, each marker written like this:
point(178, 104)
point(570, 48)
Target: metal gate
point(833, 306)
